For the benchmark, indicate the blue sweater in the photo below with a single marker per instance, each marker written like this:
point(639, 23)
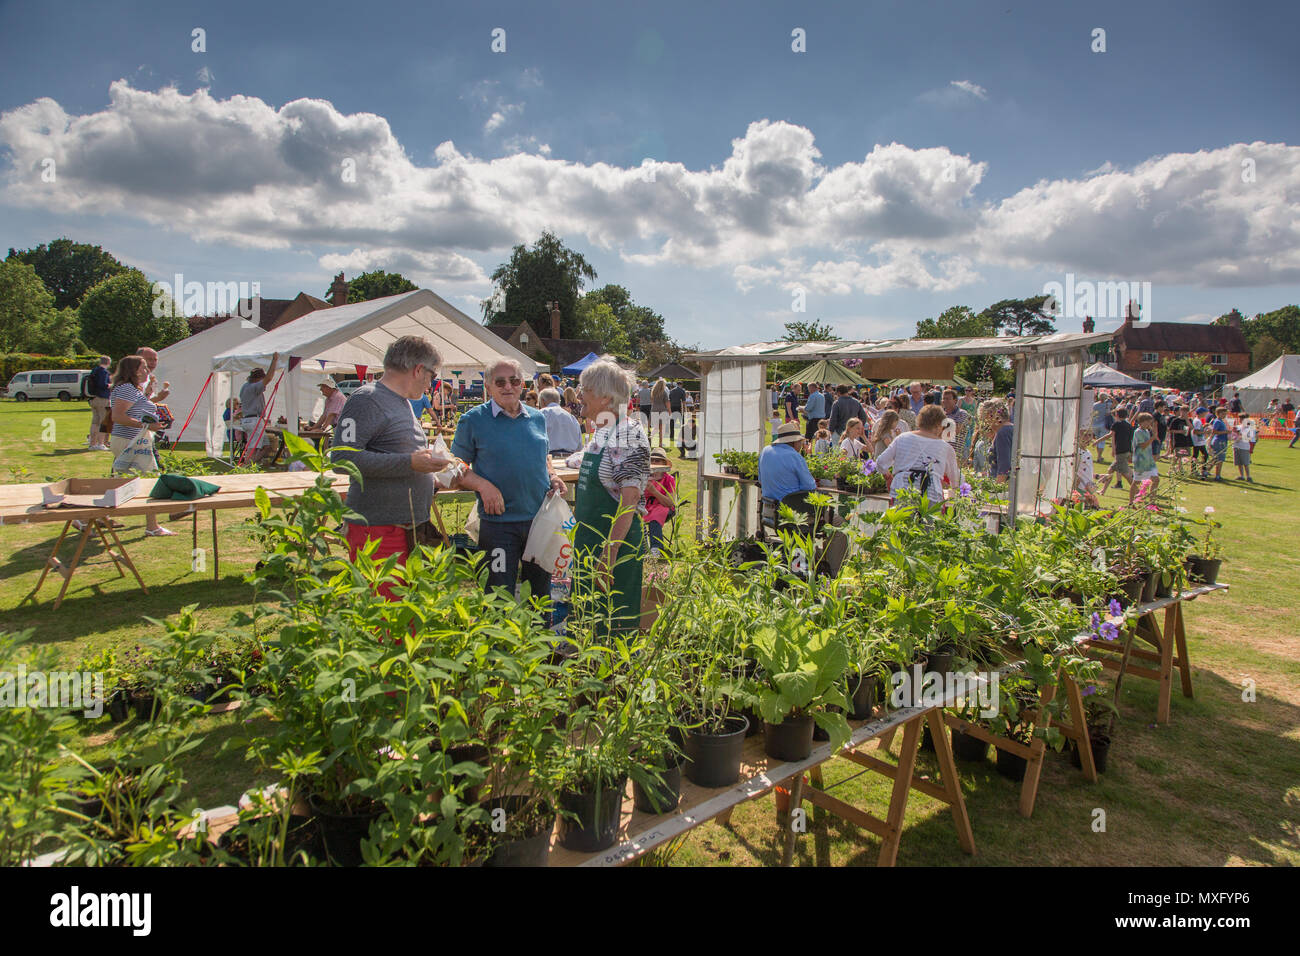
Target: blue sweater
point(511, 453)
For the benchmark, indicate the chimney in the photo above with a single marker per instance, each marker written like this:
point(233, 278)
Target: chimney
point(1131, 313)
point(339, 291)
point(555, 319)
point(1088, 324)
point(1234, 319)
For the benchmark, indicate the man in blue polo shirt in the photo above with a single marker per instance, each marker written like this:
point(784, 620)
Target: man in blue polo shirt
point(815, 408)
point(504, 441)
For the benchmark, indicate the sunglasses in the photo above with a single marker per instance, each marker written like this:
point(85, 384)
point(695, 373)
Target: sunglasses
point(513, 380)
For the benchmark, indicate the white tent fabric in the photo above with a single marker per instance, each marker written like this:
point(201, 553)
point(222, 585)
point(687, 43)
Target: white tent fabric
point(341, 338)
point(1279, 379)
point(1101, 375)
point(187, 366)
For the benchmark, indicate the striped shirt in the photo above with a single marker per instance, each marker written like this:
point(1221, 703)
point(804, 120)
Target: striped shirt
point(626, 463)
point(140, 406)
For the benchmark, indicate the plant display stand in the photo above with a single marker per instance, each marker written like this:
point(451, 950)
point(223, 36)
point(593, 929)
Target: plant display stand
point(102, 527)
point(760, 774)
point(1169, 648)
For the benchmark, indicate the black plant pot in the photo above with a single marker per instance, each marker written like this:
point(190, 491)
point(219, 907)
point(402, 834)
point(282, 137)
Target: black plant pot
point(142, 702)
point(1009, 765)
point(118, 706)
point(1130, 592)
point(341, 833)
point(939, 661)
point(791, 739)
point(597, 812)
point(713, 760)
point(1164, 590)
point(1149, 586)
point(927, 741)
point(1100, 751)
point(661, 797)
point(470, 753)
point(755, 721)
point(527, 849)
point(862, 696)
point(1202, 570)
point(968, 747)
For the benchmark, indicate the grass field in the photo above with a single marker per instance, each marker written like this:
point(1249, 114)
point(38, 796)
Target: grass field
point(1219, 785)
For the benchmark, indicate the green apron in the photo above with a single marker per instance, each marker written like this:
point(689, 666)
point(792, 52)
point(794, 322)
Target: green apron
point(595, 511)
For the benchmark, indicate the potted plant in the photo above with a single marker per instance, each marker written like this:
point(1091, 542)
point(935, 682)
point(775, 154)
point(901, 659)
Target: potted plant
point(1203, 566)
point(1099, 714)
point(801, 668)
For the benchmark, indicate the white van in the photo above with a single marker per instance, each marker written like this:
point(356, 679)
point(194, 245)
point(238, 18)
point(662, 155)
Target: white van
point(63, 384)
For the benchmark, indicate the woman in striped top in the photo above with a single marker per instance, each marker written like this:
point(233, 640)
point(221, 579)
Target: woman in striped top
point(129, 406)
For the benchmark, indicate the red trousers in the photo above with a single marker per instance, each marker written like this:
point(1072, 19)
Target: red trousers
point(392, 540)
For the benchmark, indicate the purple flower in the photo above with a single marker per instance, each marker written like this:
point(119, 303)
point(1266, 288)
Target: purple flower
point(1109, 631)
point(1116, 609)
point(1096, 620)
point(1090, 690)
point(869, 467)
point(965, 490)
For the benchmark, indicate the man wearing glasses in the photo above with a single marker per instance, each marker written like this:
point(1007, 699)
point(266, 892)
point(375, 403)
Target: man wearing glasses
point(505, 443)
point(377, 431)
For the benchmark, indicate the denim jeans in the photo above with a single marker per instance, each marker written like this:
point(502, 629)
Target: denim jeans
point(501, 543)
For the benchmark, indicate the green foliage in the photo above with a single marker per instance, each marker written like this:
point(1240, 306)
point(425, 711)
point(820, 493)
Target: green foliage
point(1019, 317)
point(118, 316)
point(549, 271)
point(377, 285)
point(805, 331)
point(642, 326)
point(596, 320)
point(801, 667)
point(14, 362)
point(1269, 334)
point(26, 308)
point(959, 321)
point(1188, 373)
point(69, 269)
point(742, 463)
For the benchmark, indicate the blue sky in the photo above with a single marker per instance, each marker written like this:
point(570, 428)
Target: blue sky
point(1020, 153)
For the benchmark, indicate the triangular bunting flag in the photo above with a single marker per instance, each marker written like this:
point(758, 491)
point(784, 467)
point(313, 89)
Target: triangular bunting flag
point(361, 371)
point(294, 362)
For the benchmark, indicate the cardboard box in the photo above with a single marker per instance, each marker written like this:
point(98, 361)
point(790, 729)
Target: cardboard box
point(90, 492)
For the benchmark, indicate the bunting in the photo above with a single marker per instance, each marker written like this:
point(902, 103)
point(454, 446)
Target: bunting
point(361, 371)
point(294, 362)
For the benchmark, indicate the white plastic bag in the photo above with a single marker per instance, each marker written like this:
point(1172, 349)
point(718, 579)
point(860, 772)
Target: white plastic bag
point(471, 523)
point(137, 456)
point(548, 539)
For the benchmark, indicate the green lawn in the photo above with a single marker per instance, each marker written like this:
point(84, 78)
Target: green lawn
point(1220, 785)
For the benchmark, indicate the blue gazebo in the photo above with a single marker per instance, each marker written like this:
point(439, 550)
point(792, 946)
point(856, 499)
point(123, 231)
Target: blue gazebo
point(579, 365)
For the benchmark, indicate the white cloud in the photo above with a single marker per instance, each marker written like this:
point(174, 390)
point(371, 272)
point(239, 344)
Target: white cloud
point(974, 89)
point(499, 116)
point(770, 213)
point(206, 76)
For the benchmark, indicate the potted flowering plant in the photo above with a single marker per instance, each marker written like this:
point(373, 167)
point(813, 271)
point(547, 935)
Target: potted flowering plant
point(1099, 714)
point(1204, 565)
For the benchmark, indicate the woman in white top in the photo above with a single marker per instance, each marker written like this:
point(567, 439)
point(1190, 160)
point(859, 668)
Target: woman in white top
point(129, 406)
point(888, 427)
point(855, 442)
point(921, 459)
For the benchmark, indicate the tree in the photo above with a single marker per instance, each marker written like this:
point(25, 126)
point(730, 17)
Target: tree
point(122, 314)
point(597, 321)
point(958, 322)
point(661, 353)
point(69, 269)
point(1282, 326)
point(642, 324)
point(59, 334)
point(548, 272)
point(1019, 317)
point(25, 306)
point(1186, 374)
point(377, 285)
point(1265, 350)
point(815, 331)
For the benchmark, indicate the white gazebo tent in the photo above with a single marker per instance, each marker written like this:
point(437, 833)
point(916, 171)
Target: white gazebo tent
point(1049, 393)
point(1279, 379)
point(348, 337)
point(187, 366)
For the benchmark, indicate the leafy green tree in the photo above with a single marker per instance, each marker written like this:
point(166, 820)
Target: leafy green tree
point(1186, 374)
point(642, 324)
point(1281, 327)
point(598, 321)
point(803, 331)
point(59, 334)
point(25, 306)
point(69, 269)
point(1019, 317)
point(1265, 350)
point(123, 314)
point(547, 272)
point(958, 322)
point(377, 285)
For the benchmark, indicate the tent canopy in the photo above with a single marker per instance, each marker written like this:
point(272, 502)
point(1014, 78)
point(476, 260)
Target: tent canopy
point(827, 372)
point(1100, 375)
point(359, 334)
point(1279, 379)
point(674, 371)
point(582, 363)
point(955, 382)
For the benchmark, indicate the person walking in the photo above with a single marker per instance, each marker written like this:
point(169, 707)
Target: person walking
point(394, 496)
point(659, 405)
point(1199, 430)
point(1218, 442)
point(98, 389)
point(1144, 457)
point(130, 408)
point(1122, 467)
point(1243, 443)
point(846, 407)
point(676, 417)
point(506, 445)
point(814, 410)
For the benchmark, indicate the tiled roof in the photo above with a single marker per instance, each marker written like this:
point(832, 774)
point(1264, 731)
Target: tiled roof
point(1182, 337)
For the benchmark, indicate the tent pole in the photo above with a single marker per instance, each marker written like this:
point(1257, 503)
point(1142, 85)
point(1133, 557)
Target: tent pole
point(1014, 482)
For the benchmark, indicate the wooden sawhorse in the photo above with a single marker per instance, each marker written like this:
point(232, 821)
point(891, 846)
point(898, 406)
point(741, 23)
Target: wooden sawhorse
point(101, 527)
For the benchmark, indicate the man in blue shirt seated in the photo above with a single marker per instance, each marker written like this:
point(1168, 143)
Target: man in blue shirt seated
point(784, 476)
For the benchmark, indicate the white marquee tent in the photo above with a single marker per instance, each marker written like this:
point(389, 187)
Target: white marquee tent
point(1279, 379)
point(346, 338)
point(187, 365)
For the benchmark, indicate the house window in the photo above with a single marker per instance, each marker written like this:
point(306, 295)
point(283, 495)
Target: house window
point(1150, 358)
point(1148, 376)
point(1221, 379)
point(1183, 355)
point(1218, 360)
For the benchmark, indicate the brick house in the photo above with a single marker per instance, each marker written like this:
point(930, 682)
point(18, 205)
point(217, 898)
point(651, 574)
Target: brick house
point(273, 313)
point(1139, 348)
point(554, 351)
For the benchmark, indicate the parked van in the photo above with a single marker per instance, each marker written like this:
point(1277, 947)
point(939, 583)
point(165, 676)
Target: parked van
point(63, 384)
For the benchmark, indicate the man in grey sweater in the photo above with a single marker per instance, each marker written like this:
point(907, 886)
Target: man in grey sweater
point(378, 433)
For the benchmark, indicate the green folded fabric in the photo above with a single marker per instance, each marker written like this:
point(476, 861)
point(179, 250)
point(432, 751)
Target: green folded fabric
point(182, 488)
